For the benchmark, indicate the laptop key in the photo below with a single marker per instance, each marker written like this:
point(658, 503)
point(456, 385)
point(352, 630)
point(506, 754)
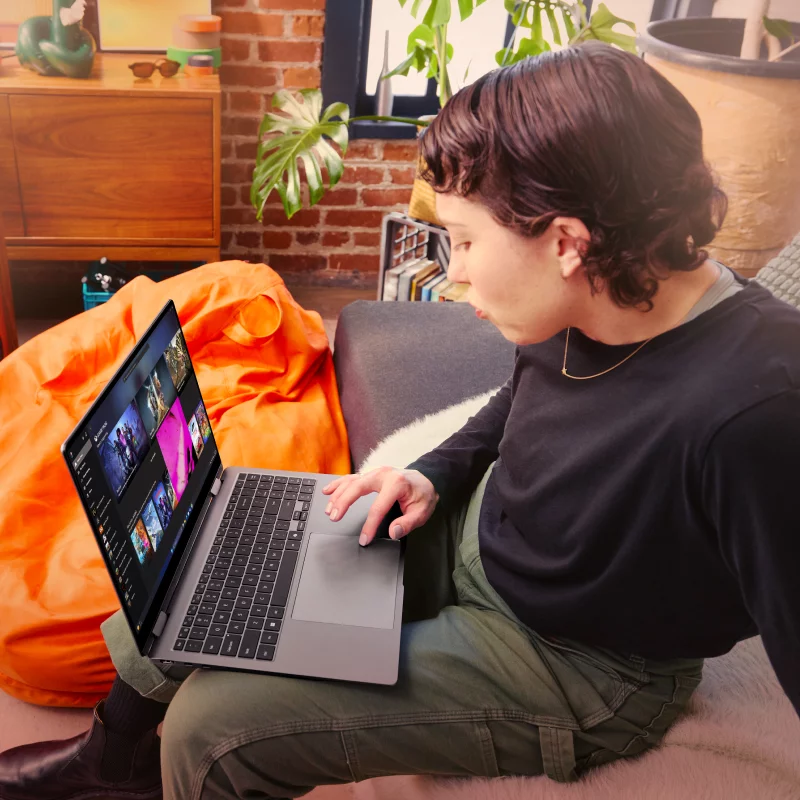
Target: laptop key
point(230, 647)
point(193, 646)
point(188, 621)
point(250, 580)
point(240, 615)
point(257, 558)
point(198, 633)
point(262, 538)
point(226, 605)
point(296, 536)
point(240, 560)
point(236, 572)
point(179, 644)
point(273, 505)
point(279, 535)
point(266, 652)
point(247, 591)
point(218, 540)
point(215, 586)
point(217, 629)
point(222, 617)
point(219, 573)
point(255, 623)
point(306, 506)
point(258, 611)
point(183, 633)
point(275, 613)
point(263, 598)
point(249, 644)
point(192, 611)
point(269, 576)
point(212, 645)
point(269, 637)
point(197, 598)
point(203, 620)
point(230, 594)
point(244, 602)
point(272, 625)
point(301, 526)
point(285, 573)
point(260, 546)
point(207, 608)
point(292, 546)
point(254, 569)
point(212, 597)
point(223, 563)
point(236, 627)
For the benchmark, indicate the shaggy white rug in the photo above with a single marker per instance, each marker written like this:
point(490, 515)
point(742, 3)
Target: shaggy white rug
point(740, 739)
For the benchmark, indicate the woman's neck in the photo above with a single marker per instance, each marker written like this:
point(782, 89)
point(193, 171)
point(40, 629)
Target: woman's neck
point(604, 321)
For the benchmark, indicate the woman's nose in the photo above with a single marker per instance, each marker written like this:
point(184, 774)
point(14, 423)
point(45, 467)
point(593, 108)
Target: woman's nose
point(456, 272)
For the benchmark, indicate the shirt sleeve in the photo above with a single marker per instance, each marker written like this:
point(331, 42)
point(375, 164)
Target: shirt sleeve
point(457, 465)
point(750, 485)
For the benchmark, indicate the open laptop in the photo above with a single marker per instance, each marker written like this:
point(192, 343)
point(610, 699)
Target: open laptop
point(237, 568)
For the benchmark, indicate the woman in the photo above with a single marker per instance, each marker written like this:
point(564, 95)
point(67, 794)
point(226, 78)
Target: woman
point(619, 511)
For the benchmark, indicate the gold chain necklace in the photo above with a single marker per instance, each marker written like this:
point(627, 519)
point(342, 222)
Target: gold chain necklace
point(605, 371)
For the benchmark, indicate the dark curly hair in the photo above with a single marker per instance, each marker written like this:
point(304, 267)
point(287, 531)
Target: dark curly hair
point(590, 132)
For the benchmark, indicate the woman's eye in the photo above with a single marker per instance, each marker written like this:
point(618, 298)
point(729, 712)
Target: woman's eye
point(462, 246)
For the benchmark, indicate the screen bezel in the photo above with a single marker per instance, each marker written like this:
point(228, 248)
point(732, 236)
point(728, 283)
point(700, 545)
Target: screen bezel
point(141, 636)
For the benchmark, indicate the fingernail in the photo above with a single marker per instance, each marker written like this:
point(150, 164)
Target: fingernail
point(397, 531)
point(328, 508)
point(362, 540)
point(334, 514)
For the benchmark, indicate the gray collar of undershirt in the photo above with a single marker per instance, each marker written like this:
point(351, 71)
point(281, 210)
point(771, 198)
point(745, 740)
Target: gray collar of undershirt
point(724, 287)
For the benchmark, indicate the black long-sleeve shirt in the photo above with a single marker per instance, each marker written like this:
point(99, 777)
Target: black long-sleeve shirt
point(653, 510)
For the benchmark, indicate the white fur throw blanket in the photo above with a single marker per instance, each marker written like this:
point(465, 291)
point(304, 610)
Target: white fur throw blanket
point(740, 739)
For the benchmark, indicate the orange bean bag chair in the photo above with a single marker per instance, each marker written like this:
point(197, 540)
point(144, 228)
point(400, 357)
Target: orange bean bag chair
point(266, 374)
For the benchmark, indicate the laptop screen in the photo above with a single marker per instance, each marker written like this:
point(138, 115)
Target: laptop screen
point(143, 459)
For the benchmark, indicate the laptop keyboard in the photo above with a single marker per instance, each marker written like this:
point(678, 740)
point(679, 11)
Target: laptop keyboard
point(239, 602)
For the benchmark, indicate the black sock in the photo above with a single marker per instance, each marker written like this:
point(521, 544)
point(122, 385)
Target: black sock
point(128, 714)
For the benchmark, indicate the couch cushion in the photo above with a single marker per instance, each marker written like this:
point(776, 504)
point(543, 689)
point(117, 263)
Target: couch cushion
point(396, 362)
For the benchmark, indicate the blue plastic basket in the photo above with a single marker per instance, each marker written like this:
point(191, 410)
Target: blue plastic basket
point(93, 299)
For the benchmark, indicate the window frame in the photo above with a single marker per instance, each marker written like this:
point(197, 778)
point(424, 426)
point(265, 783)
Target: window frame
point(344, 72)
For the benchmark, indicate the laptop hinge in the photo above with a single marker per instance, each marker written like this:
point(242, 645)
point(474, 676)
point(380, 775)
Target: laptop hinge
point(160, 623)
point(216, 487)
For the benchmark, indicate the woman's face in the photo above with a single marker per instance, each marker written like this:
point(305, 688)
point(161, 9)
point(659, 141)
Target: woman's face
point(525, 287)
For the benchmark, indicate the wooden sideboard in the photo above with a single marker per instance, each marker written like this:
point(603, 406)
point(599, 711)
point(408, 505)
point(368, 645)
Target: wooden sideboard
point(110, 166)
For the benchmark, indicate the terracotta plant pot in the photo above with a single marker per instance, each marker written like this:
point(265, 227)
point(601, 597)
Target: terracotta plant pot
point(749, 111)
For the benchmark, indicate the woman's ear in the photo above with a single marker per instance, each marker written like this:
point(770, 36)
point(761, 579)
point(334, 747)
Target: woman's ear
point(571, 237)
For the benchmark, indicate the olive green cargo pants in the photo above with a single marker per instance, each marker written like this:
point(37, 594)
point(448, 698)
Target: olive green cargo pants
point(478, 694)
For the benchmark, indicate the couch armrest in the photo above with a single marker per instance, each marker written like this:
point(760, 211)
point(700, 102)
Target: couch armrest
point(396, 362)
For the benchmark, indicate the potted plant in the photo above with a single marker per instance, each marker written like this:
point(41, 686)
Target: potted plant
point(743, 78)
point(300, 131)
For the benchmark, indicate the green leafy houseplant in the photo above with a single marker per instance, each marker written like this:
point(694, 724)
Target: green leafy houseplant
point(298, 130)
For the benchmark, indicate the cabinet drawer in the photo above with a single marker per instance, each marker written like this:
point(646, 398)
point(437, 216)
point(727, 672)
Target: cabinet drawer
point(115, 167)
point(10, 206)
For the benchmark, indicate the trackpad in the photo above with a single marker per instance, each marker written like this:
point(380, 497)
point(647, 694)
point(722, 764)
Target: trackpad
point(345, 584)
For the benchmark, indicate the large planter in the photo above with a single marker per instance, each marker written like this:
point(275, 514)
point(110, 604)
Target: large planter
point(750, 112)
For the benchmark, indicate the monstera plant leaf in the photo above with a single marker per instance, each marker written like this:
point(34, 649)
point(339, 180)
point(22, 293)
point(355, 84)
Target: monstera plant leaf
point(600, 27)
point(440, 11)
point(422, 55)
point(300, 132)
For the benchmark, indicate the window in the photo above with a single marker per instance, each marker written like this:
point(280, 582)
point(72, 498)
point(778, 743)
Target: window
point(353, 55)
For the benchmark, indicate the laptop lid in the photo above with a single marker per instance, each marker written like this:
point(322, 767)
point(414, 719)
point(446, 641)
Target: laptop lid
point(143, 459)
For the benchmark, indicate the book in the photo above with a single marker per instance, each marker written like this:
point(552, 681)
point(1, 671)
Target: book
point(421, 278)
point(390, 281)
point(429, 286)
point(392, 277)
point(406, 276)
point(454, 291)
point(436, 293)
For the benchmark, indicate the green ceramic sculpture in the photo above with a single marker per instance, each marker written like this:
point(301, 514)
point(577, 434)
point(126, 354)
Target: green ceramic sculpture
point(57, 45)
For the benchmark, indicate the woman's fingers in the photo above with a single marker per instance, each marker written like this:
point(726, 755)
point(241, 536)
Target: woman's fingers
point(349, 491)
point(388, 495)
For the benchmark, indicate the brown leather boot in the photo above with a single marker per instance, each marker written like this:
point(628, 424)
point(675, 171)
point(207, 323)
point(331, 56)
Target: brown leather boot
point(96, 764)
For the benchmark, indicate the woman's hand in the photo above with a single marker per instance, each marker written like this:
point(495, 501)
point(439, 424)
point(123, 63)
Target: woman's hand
point(410, 488)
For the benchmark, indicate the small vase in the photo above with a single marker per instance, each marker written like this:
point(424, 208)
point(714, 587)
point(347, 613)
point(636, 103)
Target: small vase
point(384, 98)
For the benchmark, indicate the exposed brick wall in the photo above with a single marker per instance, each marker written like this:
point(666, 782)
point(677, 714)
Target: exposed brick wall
point(274, 44)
